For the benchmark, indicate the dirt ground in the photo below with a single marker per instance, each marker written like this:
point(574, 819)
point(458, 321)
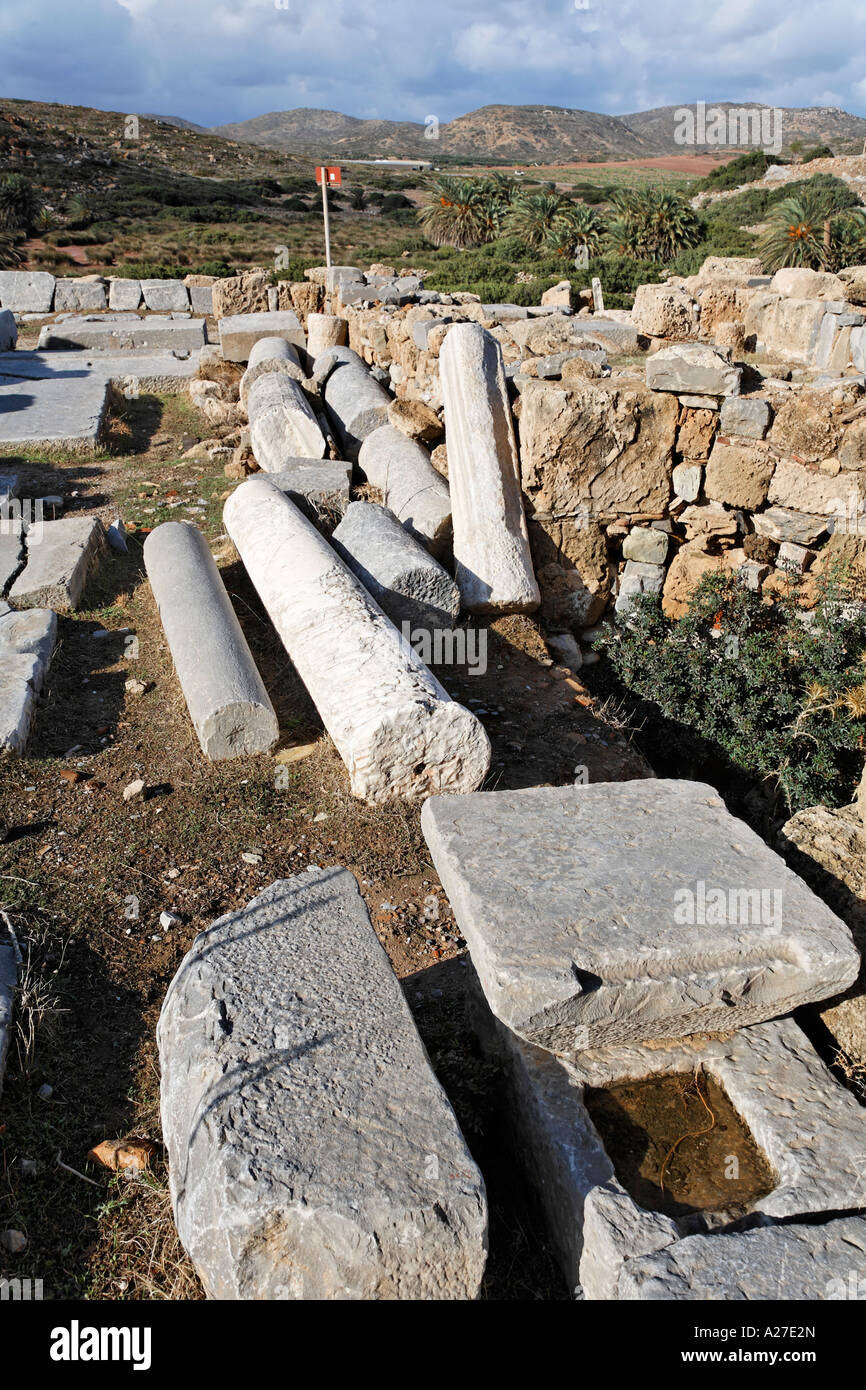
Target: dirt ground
point(85, 875)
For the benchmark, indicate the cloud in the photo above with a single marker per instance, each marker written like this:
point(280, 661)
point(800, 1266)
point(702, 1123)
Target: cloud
point(217, 61)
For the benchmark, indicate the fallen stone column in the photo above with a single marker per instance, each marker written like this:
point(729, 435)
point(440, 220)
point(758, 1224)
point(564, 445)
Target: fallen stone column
point(493, 564)
point(283, 424)
point(324, 331)
point(418, 496)
point(227, 701)
point(270, 355)
point(312, 1152)
point(402, 576)
point(395, 727)
point(355, 401)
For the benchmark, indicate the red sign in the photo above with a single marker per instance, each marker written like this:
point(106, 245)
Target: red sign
point(330, 174)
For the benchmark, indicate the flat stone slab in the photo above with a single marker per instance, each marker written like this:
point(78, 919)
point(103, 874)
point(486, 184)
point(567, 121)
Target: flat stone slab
point(240, 332)
point(26, 648)
point(694, 368)
point(317, 483)
point(810, 1129)
point(121, 334)
point(60, 558)
point(791, 1263)
point(628, 911)
point(312, 1152)
point(144, 372)
point(51, 412)
point(8, 983)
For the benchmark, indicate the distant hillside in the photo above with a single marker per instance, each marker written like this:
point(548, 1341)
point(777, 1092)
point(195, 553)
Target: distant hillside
point(813, 125)
point(69, 146)
point(520, 133)
point(524, 134)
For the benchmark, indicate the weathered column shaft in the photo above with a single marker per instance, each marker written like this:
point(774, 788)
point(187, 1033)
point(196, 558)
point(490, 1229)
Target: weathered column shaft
point(355, 401)
point(324, 331)
point(270, 355)
point(402, 576)
point(226, 698)
point(396, 728)
point(493, 564)
point(283, 424)
point(400, 468)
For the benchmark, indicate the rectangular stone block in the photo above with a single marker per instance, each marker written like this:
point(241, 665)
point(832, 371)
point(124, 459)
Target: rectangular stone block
point(777, 1085)
point(201, 299)
point(26, 291)
point(165, 295)
point(26, 648)
point(60, 558)
point(123, 334)
point(313, 1153)
point(624, 912)
point(124, 294)
point(241, 332)
point(79, 295)
point(694, 368)
point(786, 1263)
point(65, 411)
point(748, 416)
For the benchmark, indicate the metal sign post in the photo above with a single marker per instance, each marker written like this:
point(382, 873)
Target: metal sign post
point(325, 175)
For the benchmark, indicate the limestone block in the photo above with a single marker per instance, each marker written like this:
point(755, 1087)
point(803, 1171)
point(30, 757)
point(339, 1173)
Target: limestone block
point(739, 474)
point(26, 648)
point(324, 331)
point(313, 1154)
point(165, 295)
point(61, 555)
point(240, 332)
point(79, 295)
point(26, 291)
point(124, 294)
point(695, 368)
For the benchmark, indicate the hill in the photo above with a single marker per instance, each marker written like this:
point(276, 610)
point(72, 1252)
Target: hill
point(519, 134)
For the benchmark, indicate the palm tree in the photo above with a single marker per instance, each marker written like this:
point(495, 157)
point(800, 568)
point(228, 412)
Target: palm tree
point(10, 256)
point(19, 203)
point(460, 212)
point(578, 225)
point(652, 224)
point(810, 230)
point(533, 217)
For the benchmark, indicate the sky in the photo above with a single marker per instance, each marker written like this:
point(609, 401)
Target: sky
point(214, 62)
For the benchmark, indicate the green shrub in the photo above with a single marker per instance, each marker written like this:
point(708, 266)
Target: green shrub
point(744, 169)
point(781, 700)
point(152, 270)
